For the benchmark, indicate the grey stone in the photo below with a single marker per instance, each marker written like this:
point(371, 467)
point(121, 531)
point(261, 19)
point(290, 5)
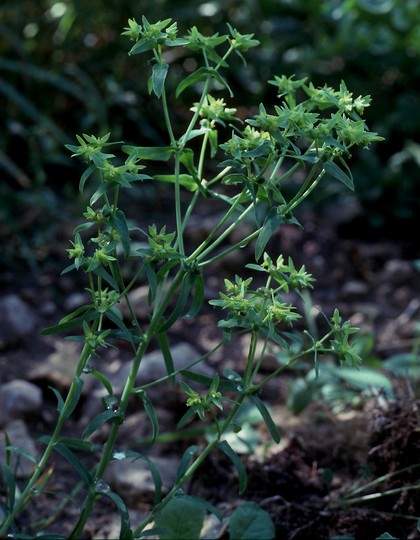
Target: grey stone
point(19, 437)
point(17, 321)
point(18, 399)
point(134, 479)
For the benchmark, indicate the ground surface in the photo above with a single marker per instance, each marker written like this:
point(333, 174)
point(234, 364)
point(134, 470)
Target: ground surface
point(373, 280)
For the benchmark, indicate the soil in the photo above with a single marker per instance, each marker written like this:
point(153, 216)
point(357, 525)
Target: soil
point(326, 450)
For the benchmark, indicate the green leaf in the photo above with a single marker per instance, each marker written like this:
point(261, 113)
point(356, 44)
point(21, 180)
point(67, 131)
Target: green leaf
point(150, 411)
point(98, 421)
point(159, 72)
point(227, 449)
point(187, 283)
point(101, 378)
point(334, 170)
point(125, 526)
point(167, 355)
point(266, 417)
point(181, 518)
point(85, 176)
point(60, 401)
point(201, 74)
point(198, 296)
point(273, 219)
point(152, 153)
point(363, 378)
point(10, 482)
point(250, 522)
point(185, 461)
point(70, 321)
point(119, 223)
point(185, 180)
point(71, 405)
point(74, 462)
point(27, 455)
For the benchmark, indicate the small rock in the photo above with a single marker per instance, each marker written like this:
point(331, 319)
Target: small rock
point(354, 289)
point(152, 366)
point(19, 399)
point(17, 320)
point(19, 437)
point(59, 367)
point(134, 479)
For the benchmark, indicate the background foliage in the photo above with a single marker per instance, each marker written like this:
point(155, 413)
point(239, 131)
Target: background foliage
point(64, 69)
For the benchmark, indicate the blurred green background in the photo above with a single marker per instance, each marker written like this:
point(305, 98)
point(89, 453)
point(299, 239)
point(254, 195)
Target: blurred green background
point(64, 69)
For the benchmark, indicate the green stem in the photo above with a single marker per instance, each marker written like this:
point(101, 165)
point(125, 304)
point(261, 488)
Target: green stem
point(42, 463)
point(126, 394)
point(193, 467)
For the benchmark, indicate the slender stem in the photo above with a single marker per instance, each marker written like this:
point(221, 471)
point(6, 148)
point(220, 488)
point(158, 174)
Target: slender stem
point(193, 467)
point(42, 463)
point(126, 394)
point(217, 228)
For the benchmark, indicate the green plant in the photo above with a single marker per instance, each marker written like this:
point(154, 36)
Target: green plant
point(310, 130)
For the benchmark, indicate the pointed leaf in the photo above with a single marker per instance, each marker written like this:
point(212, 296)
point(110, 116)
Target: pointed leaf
point(153, 153)
point(184, 180)
point(150, 411)
point(185, 461)
point(98, 421)
point(125, 526)
point(187, 282)
point(227, 449)
point(167, 355)
point(71, 405)
point(334, 170)
point(119, 223)
point(273, 219)
point(266, 417)
point(159, 72)
point(201, 74)
point(74, 462)
point(10, 483)
point(101, 378)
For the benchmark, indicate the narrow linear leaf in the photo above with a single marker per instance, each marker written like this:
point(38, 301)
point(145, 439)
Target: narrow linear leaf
point(266, 417)
point(334, 170)
point(74, 462)
point(273, 219)
point(125, 525)
point(157, 480)
point(10, 482)
point(201, 75)
point(186, 285)
point(71, 405)
point(60, 401)
point(151, 413)
point(185, 180)
point(88, 315)
point(104, 380)
point(185, 461)
point(98, 421)
point(159, 72)
point(119, 222)
point(88, 172)
point(167, 355)
point(227, 449)
point(152, 153)
point(23, 453)
point(198, 296)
